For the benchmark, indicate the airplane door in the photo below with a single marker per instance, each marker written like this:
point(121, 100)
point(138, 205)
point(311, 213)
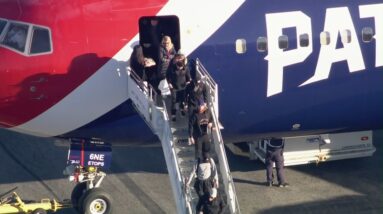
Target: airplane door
point(153, 28)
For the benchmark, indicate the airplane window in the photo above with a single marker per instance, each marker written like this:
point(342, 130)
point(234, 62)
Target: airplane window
point(283, 42)
point(367, 34)
point(240, 46)
point(304, 40)
point(16, 36)
point(345, 36)
point(41, 41)
point(324, 38)
point(262, 44)
point(2, 25)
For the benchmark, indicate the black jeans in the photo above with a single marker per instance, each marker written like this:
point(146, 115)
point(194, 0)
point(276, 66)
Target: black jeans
point(178, 96)
point(275, 156)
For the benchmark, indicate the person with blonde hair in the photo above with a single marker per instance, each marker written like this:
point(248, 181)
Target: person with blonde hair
point(166, 54)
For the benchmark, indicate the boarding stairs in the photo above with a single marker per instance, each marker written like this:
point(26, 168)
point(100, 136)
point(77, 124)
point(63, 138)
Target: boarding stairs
point(179, 156)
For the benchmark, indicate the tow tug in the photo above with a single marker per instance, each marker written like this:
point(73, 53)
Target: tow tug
point(86, 160)
point(10, 202)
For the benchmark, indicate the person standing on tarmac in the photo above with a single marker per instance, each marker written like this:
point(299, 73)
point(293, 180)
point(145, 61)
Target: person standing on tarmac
point(274, 154)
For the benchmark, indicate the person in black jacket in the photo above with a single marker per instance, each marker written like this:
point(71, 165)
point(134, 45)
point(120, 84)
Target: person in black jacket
point(211, 203)
point(138, 62)
point(196, 94)
point(199, 123)
point(206, 175)
point(274, 153)
point(178, 78)
point(165, 55)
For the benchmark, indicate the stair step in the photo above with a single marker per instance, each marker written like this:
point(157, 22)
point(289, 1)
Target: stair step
point(184, 147)
point(189, 154)
point(186, 163)
point(181, 141)
point(180, 133)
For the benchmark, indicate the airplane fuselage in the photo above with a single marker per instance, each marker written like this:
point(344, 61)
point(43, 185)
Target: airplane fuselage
point(317, 74)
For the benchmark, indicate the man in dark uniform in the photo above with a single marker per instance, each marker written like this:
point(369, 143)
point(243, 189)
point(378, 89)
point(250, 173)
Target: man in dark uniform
point(274, 154)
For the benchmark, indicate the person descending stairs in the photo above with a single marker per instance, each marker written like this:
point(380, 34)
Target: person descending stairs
point(180, 156)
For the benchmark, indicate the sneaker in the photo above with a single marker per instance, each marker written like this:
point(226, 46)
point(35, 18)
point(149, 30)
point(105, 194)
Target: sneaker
point(283, 185)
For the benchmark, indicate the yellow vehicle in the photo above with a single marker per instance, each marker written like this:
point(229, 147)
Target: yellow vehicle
point(10, 202)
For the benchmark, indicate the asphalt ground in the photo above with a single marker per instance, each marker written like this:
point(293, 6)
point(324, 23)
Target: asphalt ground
point(139, 183)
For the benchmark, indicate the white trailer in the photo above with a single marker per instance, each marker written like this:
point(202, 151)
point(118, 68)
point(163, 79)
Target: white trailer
point(319, 148)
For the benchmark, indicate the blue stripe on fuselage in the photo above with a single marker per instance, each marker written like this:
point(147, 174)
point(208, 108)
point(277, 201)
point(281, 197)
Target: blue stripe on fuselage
point(345, 101)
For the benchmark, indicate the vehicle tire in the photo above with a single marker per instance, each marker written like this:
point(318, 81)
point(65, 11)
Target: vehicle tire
point(39, 211)
point(97, 201)
point(77, 192)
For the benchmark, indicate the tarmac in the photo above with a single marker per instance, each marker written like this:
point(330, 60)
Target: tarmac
point(139, 183)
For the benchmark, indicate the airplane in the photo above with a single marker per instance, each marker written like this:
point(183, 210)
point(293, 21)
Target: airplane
point(283, 69)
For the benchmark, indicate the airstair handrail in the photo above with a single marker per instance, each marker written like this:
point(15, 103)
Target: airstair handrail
point(204, 72)
point(224, 166)
point(169, 151)
point(157, 119)
point(171, 158)
point(218, 140)
point(213, 86)
point(152, 94)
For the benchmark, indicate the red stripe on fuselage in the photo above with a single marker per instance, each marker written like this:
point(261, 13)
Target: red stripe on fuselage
point(85, 35)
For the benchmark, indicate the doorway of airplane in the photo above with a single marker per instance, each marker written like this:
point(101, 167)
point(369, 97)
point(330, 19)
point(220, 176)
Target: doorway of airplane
point(153, 28)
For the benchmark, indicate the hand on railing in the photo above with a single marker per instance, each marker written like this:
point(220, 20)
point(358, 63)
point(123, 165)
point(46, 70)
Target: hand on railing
point(211, 127)
point(191, 141)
